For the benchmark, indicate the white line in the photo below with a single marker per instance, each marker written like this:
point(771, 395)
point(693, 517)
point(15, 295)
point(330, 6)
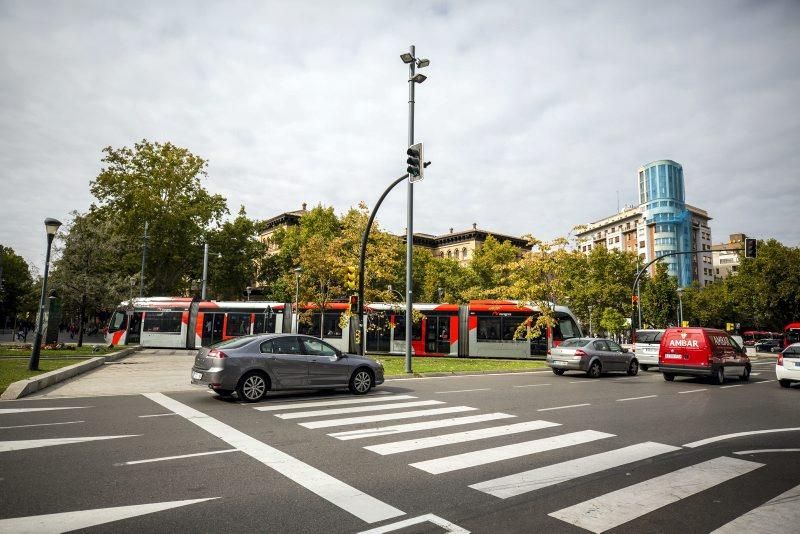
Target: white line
point(692, 391)
point(157, 415)
point(754, 374)
point(165, 458)
point(335, 491)
point(618, 507)
point(8, 446)
point(81, 519)
point(41, 424)
point(585, 381)
point(535, 479)
point(732, 386)
point(364, 400)
point(496, 454)
point(533, 385)
point(4, 411)
point(357, 409)
point(776, 516)
point(761, 451)
point(430, 518)
point(413, 427)
point(458, 437)
point(737, 435)
point(463, 390)
point(562, 407)
point(385, 417)
point(762, 381)
point(637, 398)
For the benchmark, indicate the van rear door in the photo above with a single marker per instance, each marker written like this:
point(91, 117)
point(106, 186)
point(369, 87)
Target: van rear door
point(684, 347)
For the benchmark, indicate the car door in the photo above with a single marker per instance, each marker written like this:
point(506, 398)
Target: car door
point(325, 367)
point(600, 349)
point(285, 362)
point(618, 358)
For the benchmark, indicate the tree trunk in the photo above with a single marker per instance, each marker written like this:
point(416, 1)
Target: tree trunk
point(82, 320)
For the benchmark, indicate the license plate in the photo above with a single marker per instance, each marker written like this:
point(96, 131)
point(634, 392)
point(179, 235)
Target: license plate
point(197, 376)
point(557, 362)
point(672, 357)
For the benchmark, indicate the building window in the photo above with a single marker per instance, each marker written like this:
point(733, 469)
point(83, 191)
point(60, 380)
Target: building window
point(616, 239)
point(449, 253)
point(464, 253)
point(456, 254)
point(641, 244)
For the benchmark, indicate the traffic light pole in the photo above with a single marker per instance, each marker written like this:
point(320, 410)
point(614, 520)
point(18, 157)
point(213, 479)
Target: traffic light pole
point(410, 225)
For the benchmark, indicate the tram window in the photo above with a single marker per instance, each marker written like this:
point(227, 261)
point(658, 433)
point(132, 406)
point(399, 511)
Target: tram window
point(310, 326)
point(265, 323)
point(162, 322)
point(565, 328)
point(238, 324)
point(510, 325)
point(489, 328)
point(400, 329)
point(117, 321)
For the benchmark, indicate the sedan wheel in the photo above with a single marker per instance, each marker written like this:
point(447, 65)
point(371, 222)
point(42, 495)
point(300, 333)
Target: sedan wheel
point(644, 367)
point(746, 375)
point(361, 382)
point(594, 370)
point(719, 376)
point(633, 368)
point(252, 387)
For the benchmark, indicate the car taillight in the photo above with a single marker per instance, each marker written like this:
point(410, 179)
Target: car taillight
point(580, 352)
point(780, 358)
point(549, 351)
point(214, 353)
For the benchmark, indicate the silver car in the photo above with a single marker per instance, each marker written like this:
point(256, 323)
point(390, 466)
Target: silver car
point(648, 343)
point(253, 365)
point(593, 356)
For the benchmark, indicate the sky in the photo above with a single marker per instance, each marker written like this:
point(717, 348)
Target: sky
point(536, 115)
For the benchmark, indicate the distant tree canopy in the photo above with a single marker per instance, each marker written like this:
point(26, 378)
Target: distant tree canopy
point(18, 294)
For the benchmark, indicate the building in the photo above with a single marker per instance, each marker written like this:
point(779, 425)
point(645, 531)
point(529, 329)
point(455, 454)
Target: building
point(726, 256)
point(662, 223)
point(461, 246)
point(284, 220)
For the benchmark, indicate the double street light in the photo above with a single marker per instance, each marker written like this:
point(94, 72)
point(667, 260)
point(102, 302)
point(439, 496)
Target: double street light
point(297, 272)
point(51, 227)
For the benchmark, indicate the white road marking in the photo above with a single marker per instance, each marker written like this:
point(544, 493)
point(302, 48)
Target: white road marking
point(8, 446)
point(430, 518)
point(292, 399)
point(692, 391)
point(158, 415)
point(165, 458)
point(586, 381)
point(762, 381)
point(69, 521)
point(723, 437)
point(776, 516)
point(463, 390)
point(363, 400)
point(357, 409)
point(637, 398)
point(562, 407)
point(458, 437)
point(496, 454)
point(754, 374)
point(413, 427)
point(535, 479)
point(335, 491)
point(613, 509)
point(4, 411)
point(532, 385)
point(327, 423)
point(761, 451)
point(41, 424)
point(731, 386)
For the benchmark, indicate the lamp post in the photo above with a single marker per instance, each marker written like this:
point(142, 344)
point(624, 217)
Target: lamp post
point(590, 320)
point(396, 292)
point(247, 290)
point(297, 271)
point(205, 272)
point(411, 60)
point(680, 306)
point(51, 226)
point(144, 258)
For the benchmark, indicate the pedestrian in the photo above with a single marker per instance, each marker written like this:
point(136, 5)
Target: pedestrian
point(20, 334)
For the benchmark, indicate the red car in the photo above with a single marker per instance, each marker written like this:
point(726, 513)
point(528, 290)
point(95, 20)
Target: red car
point(701, 352)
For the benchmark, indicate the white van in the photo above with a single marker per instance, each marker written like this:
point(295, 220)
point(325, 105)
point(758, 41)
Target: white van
point(646, 347)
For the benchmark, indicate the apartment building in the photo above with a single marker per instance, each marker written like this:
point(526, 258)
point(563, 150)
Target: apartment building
point(726, 256)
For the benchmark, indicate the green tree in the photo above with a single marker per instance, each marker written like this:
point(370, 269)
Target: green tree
point(18, 293)
point(490, 270)
point(235, 256)
point(659, 298)
point(613, 322)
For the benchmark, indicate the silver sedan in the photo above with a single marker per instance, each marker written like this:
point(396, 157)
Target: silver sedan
point(253, 365)
point(593, 356)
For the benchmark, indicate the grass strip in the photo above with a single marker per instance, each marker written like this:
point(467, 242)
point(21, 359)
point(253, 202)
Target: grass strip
point(395, 365)
point(15, 369)
point(86, 350)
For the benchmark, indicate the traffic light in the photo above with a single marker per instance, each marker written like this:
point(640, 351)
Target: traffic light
point(750, 246)
point(352, 278)
point(353, 303)
point(416, 167)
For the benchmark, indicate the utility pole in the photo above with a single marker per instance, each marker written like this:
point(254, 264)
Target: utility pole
point(144, 257)
point(205, 272)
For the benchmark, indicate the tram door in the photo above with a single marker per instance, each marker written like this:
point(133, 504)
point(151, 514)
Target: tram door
point(378, 333)
point(134, 329)
point(437, 334)
point(212, 328)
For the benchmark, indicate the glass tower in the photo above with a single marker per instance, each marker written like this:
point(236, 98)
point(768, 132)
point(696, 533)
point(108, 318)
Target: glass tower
point(662, 201)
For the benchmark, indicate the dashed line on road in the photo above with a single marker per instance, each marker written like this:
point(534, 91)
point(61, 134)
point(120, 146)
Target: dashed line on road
point(165, 458)
point(157, 415)
point(532, 385)
point(463, 390)
point(41, 424)
point(731, 386)
point(637, 398)
point(562, 407)
point(692, 391)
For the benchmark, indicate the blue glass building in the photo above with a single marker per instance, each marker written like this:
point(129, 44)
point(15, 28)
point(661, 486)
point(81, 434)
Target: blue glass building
point(663, 206)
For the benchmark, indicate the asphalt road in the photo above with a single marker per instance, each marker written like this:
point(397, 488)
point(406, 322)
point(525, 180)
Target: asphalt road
point(521, 453)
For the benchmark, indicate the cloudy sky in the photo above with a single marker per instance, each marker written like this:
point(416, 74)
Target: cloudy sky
point(536, 114)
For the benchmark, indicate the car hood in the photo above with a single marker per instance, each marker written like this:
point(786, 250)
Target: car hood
point(357, 358)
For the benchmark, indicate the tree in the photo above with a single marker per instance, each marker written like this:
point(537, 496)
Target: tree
point(659, 298)
point(159, 184)
point(18, 295)
point(612, 321)
point(490, 269)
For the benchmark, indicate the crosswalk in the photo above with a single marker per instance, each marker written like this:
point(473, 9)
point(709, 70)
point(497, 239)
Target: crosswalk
point(598, 514)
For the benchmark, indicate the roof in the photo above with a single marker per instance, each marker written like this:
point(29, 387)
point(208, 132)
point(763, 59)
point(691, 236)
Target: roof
point(472, 234)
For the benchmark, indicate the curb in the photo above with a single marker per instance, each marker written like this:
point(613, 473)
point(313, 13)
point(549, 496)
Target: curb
point(23, 388)
point(465, 373)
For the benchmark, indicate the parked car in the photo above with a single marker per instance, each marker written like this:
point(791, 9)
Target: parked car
point(593, 356)
point(646, 347)
point(787, 368)
point(253, 365)
point(701, 352)
point(768, 345)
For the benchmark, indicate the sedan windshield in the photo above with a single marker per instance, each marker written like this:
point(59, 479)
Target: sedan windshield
point(648, 336)
point(574, 342)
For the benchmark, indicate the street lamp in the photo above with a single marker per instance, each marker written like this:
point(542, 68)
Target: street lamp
point(297, 271)
point(590, 320)
point(396, 292)
point(680, 306)
point(412, 61)
point(248, 289)
point(51, 226)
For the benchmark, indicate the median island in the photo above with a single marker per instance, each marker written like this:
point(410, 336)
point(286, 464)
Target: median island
point(395, 365)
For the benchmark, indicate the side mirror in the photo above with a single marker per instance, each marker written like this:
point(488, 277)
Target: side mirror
point(340, 354)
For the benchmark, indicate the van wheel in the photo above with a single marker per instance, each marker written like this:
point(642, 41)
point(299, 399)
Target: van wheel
point(746, 375)
point(558, 372)
point(633, 368)
point(669, 377)
point(644, 367)
point(719, 376)
point(594, 370)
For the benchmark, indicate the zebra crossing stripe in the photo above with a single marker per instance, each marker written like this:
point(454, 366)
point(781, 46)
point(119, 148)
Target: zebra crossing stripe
point(357, 409)
point(535, 479)
point(618, 507)
point(327, 423)
point(423, 425)
point(457, 437)
point(777, 516)
point(496, 454)
point(340, 402)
